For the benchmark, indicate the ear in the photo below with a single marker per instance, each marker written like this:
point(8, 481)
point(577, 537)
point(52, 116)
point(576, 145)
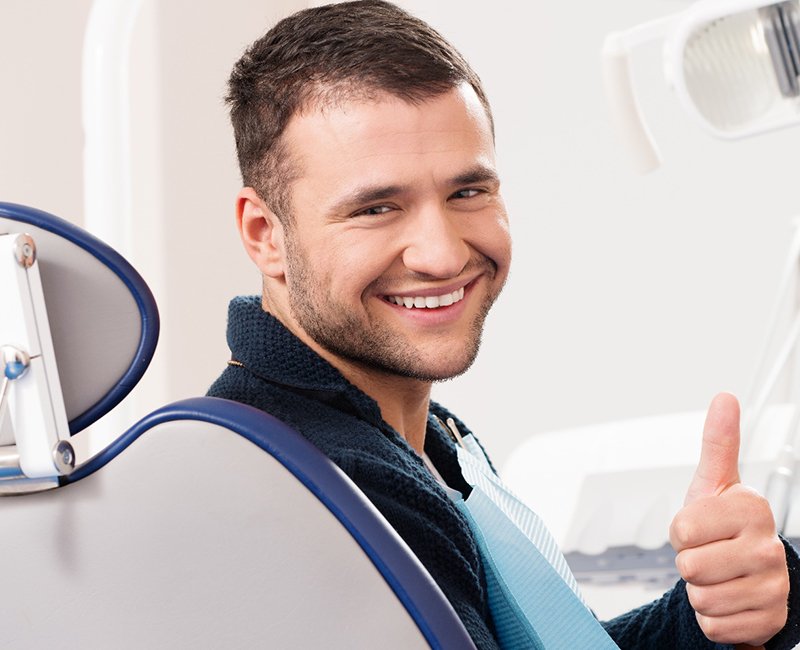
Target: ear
point(261, 232)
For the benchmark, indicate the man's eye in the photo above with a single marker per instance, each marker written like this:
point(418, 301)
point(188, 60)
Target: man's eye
point(374, 211)
point(468, 193)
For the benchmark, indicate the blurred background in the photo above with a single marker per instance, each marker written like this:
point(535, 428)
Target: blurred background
point(629, 296)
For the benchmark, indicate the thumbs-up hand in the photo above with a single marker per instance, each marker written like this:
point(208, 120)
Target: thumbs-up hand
point(729, 553)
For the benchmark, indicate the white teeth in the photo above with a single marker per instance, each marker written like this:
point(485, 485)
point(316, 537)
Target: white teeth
point(428, 302)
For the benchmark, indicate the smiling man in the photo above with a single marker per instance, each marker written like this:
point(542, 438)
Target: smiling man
point(372, 208)
point(397, 246)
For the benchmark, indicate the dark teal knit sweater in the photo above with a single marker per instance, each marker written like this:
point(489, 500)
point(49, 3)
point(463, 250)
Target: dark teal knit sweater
point(281, 375)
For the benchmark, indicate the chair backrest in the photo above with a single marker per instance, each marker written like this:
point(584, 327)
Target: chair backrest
point(208, 524)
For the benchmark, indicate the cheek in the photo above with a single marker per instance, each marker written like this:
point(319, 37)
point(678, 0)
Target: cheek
point(368, 254)
point(494, 241)
point(345, 270)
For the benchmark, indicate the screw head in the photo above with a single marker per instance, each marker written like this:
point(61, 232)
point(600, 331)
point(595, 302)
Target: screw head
point(25, 250)
point(64, 457)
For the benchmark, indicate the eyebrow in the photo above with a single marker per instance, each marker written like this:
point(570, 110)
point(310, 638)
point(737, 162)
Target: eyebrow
point(370, 194)
point(477, 174)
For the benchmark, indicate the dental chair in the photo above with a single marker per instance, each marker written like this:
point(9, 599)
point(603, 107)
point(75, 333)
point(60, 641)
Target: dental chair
point(207, 524)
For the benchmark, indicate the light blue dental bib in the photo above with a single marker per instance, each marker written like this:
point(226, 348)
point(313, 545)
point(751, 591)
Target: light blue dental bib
point(533, 596)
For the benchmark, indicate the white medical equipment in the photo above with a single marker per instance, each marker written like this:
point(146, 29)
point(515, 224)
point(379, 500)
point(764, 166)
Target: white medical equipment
point(207, 524)
point(733, 64)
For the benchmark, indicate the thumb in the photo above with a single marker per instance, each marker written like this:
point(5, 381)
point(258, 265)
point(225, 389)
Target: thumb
point(718, 468)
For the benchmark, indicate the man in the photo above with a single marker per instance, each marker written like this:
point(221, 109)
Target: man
point(373, 210)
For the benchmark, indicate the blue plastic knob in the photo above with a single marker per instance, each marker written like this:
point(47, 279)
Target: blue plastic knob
point(14, 369)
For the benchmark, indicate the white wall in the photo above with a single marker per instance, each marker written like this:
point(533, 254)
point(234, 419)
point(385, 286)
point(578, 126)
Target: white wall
point(629, 295)
point(185, 181)
point(40, 73)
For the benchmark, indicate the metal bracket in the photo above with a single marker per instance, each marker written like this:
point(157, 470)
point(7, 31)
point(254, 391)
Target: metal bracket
point(30, 391)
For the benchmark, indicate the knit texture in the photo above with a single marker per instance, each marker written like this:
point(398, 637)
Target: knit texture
point(284, 377)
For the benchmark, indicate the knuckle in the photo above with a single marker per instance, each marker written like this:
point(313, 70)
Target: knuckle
point(785, 588)
point(778, 617)
point(779, 556)
point(755, 496)
point(723, 630)
point(770, 553)
point(762, 553)
point(680, 531)
point(698, 599)
point(712, 628)
point(778, 592)
point(687, 566)
point(760, 512)
point(779, 620)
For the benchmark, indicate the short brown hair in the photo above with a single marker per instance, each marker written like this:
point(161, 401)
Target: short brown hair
point(326, 55)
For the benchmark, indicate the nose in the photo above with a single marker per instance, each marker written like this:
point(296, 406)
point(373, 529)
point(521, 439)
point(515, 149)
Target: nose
point(435, 244)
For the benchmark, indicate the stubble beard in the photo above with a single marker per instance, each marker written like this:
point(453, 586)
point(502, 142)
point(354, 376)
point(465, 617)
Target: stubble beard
point(373, 346)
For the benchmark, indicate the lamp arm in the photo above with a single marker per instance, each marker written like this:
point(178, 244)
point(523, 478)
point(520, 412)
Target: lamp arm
point(620, 95)
point(624, 106)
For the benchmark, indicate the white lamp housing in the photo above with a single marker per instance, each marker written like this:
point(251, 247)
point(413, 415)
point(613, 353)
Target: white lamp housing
point(734, 66)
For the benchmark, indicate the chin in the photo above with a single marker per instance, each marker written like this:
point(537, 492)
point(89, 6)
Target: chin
point(437, 372)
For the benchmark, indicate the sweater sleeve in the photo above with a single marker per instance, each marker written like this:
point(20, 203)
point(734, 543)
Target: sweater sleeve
point(670, 622)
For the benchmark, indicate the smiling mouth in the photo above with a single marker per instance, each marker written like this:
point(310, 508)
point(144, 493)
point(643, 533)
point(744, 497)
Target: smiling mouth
point(428, 302)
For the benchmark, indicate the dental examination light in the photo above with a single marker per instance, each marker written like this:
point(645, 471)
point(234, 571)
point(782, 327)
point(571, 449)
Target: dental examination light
point(733, 64)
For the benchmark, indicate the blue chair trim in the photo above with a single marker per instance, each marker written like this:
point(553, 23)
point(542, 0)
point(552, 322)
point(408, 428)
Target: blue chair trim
point(136, 285)
point(433, 615)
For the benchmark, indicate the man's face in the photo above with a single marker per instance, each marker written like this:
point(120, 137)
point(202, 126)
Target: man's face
point(399, 243)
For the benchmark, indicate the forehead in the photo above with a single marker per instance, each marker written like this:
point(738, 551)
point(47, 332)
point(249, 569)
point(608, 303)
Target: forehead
point(386, 137)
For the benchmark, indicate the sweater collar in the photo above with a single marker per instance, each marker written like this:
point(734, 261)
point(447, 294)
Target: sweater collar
point(263, 345)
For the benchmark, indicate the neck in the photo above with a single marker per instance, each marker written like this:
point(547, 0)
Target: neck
point(403, 402)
